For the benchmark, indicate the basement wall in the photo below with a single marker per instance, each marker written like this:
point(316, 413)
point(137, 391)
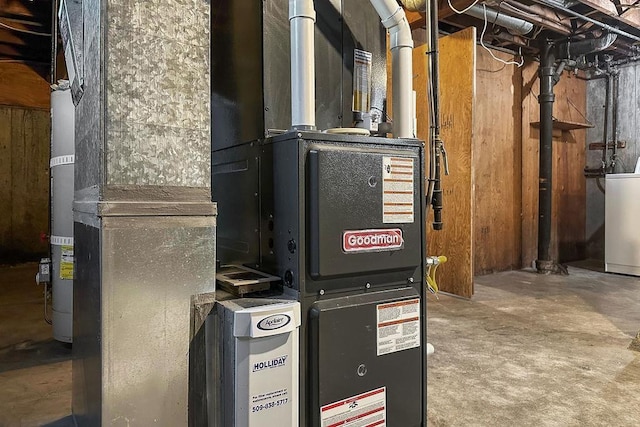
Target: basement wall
point(628, 128)
point(503, 161)
point(569, 200)
point(24, 162)
point(506, 145)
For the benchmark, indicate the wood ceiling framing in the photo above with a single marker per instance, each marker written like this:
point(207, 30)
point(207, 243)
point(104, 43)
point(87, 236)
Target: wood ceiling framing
point(25, 25)
point(25, 28)
point(549, 20)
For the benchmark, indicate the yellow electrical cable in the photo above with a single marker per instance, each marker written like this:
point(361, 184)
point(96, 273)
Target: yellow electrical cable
point(431, 274)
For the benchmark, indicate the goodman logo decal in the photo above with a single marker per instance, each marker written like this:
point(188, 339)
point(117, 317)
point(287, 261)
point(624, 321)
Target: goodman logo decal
point(389, 239)
point(275, 321)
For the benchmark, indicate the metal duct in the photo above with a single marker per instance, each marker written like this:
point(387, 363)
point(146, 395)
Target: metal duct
point(401, 46)
point(572, 50)
point(415, 5)
point(515, 26)
point(302, 19)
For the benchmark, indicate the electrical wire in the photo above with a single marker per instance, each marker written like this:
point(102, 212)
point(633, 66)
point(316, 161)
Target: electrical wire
point(46, 298)
point(460, 12)
point(22, 30)
point(518, 10)
point(484, 29)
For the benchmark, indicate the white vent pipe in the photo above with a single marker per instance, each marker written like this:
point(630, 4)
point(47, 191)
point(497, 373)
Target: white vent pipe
point(515, 26)
point(394, 20)
point(302, 18)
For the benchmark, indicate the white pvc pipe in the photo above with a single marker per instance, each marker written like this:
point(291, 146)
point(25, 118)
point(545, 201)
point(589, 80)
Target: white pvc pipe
point(302, 18)
point(401, 45)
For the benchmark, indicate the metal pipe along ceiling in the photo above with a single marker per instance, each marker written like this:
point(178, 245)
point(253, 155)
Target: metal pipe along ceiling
point(515, 26)
point(572, 50)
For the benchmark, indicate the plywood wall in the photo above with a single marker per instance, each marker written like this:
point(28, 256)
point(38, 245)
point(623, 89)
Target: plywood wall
point(497, 159)
point(457, 74)
point(23, 86)
point(569, 184)
point(491, 197)
point(24, 182)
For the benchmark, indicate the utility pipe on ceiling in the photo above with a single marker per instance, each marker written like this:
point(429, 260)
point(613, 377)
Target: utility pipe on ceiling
point(515, 26)
point(401, 46)
point(556, 5)
point(574, 49)
point(302, 19)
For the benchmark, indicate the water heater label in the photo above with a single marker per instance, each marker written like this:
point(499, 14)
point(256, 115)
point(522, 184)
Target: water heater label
point(66, 262)
point(363, 410)
point(398, 326)
point(397, 190)
point(375, 240)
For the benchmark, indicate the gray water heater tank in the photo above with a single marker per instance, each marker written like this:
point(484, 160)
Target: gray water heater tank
point(61, 163)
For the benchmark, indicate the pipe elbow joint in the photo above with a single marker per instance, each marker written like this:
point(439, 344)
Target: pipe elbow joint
point(302, 9)
point(400, 35)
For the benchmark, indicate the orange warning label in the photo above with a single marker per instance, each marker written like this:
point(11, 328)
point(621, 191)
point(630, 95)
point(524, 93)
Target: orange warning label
point(398, 326)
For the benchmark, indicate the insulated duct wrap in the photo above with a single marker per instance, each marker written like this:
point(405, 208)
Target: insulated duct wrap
point(515, 26)
point(415, 5)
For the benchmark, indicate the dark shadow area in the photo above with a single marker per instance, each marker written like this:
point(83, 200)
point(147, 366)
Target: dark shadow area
point(67, 421)
point(26, 33)
point(12, 257)
point(28, 353)
point(589, 264)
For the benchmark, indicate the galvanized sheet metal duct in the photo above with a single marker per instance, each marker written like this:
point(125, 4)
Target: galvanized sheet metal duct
point(514, 25)
point(415, 5)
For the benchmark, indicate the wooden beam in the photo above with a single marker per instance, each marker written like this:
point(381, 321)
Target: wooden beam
point(23, 54)
point(416, 19)
point(604, 6)
point(445, 11)
point(544, 17)
point(536, 14)
point(36, 9)
point(631, 14)
point(21, 85)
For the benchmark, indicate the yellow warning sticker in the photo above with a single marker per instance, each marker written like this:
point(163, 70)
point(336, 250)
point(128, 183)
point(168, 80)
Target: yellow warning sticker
point(66, 262)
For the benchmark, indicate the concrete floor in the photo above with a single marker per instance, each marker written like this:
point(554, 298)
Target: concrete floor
point(532, 350)
point(528, 350)
point(35, 370)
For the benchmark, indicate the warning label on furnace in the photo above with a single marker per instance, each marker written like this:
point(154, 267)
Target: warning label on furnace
point(398, 326)
point(364, 410)
point(397, 190)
